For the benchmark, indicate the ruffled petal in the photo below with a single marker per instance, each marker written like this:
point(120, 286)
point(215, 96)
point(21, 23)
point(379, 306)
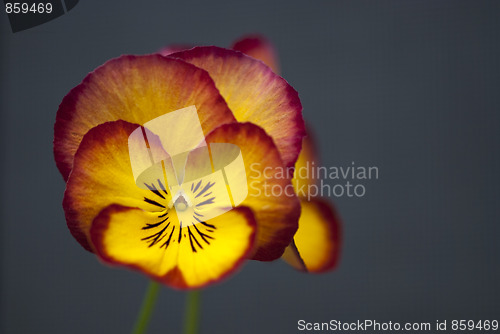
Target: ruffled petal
point(260, 48)
point(102, 175)
point(136, 89)
point(270, 192)
point(188, 257)
point(318, 239)
point(255, 94)
point(173, 48)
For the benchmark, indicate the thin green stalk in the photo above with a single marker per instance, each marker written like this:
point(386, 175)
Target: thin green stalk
point(148, 304)
point(192, 315)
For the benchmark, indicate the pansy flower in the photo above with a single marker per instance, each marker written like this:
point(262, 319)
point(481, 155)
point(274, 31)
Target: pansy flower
point(239, 101)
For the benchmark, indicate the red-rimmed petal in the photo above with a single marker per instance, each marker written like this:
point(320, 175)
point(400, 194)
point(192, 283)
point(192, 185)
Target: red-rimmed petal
point(255, 94)
point(136, 89)
point(173, 48)
point(318, 239)
point(200, 255)
point(102, 175)
point(270, 192)
point(260, 48)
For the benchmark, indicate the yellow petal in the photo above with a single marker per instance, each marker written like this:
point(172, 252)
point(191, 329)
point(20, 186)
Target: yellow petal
point(317, 240)
point(102, 175)
point(182, 257)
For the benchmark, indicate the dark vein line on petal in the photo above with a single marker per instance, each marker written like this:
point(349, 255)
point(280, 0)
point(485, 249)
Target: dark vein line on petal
point(208, 201)
point(197, 186)
point(206, 224)
point(203, 235)
point(156, 236)
point(153, 189)
point(191, 238)
point(208, 186)
point(162, 187)
point(148, 226)
point(167, 243)
point(150, 201)
point(180, 233)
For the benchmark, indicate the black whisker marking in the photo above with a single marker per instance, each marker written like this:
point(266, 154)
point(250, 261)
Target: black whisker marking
point(163, 215)
point(208, 201)
point(191, 237)
point(206, 224)
point(197, 186)
point(180, 233)
point(150, 201)
point(167, 243)
point(207, 194)
point(203, 235)
point(156, 236)
point(148, 226)
point(153, 189)
point(163, 234)
point(162, 187)
point(208, 186)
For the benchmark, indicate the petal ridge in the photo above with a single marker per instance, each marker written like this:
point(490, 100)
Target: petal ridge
point(255, 94)
point(136, 89)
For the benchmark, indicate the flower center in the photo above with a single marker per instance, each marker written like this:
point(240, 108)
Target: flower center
point(181, 204)
point(189, 224)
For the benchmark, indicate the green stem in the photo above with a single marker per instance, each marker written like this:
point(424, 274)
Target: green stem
point(148, 304)
point(191, 320)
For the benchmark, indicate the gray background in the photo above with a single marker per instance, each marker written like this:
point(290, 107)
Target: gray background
point(409, 86)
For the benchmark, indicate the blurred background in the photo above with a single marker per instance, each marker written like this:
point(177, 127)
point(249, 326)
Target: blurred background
point(411, 87)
